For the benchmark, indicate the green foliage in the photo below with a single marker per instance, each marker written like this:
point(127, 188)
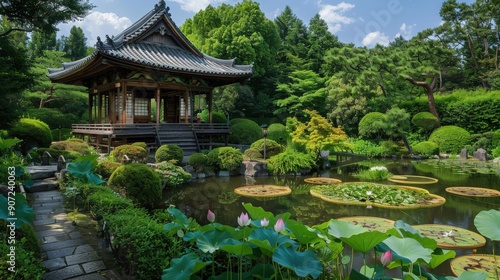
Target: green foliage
point(34, 133)
point(140, 144)
point(217, 116)
point(138, 182)
point(244, 131)
point(290, 161)
point(83, 170)
point(23, 213)
point(134, 152)
point(169, 152)
point(173, 175)
point(450, 139)
point(278, 133)
point(495, 139)
point(272, 147)
point(425, 121)
point(73, 144)
point(368, 148)
point(60, 134)
point(371, 126)
point(225, 158)
point(103, 202)
point(143, 245)
point(27, 264)
point(253, 153)
point(106, 167)
point(54, 118)
point(375, 173)
point(198, 161)
point(396, 123)
point(55, 154)
point(426, 148)
point(496, 152)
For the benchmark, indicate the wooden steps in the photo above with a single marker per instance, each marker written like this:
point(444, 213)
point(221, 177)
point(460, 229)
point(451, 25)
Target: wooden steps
point(181, 137)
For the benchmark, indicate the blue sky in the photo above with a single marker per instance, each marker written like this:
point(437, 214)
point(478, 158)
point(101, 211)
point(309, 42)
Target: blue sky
point(362, 22)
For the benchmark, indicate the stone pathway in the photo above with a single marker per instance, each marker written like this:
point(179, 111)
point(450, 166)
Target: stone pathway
point(65, 254)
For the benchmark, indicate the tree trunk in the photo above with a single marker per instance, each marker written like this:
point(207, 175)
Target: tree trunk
point(429, 90)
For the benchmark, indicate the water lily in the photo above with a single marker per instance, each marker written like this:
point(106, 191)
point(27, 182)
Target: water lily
point(210, 216)
point(280, 225)
point(264, 222)
point(378, 168)
point(368, 193)
point(243, 220)
point(386, 258)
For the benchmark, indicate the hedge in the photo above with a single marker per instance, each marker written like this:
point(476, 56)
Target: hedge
point(450, 139)
point(244, 131)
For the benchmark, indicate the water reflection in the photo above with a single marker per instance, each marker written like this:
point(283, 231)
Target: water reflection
point(217, 195)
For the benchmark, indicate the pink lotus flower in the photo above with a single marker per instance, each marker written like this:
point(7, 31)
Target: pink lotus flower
point(243, 220)
point(264, 222)
point(386, 258)
point(210, 216)
point(279, 226)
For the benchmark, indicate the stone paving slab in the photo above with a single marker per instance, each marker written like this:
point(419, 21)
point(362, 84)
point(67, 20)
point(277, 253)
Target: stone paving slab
point(54, 264)
point(93, 266)
point(92, 276)
point(82, 258)
point(64, 273)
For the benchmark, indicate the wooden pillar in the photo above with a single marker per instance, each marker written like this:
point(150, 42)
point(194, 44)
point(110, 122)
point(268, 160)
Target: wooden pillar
point(158, 105)
point(91, 105)
point(111, 104)
point(209, 100)
point(186, 106)
point(124, 102)
point(99, 107)
point(165, 108)
point(191, 102)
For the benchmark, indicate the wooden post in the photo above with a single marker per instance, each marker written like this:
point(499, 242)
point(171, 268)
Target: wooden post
point(209, 97)
point(90, 105)
point(111, 104)
point(124, 102)
point(99, 107)
point(186, 106)
point(158, 105)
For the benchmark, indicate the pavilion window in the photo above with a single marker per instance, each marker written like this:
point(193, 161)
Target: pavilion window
point(141, 107)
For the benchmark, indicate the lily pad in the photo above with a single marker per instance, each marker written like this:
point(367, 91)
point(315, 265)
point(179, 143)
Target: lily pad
point(263, 191)
point(370, 223)
point(379, 195)
point(477, 263)
point(322, 181)
point(413, 179)
point(473, 191)
point(451, 237)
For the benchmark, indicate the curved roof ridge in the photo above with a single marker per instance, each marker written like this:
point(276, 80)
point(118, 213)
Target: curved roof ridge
point(227, 62)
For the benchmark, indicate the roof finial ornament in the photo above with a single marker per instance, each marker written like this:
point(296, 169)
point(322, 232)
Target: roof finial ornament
point(109, 41)
point(99, 43)
point(160, 6)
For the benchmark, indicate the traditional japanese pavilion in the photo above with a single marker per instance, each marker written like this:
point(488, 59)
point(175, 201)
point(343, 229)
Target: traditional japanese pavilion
point(149, 62)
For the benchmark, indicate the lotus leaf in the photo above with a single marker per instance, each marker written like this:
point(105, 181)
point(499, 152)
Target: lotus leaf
point(488, 224)
point(450, 237)
point(476, 263)
point(302, 263)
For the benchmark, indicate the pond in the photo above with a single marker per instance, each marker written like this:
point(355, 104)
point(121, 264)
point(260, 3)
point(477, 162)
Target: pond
point(217, 194)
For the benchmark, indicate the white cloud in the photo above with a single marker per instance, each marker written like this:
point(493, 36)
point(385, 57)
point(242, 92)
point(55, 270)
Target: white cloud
point(99, 24)
point(374, 38)
point(334, 16)
point(406, 31)
point(196, 5)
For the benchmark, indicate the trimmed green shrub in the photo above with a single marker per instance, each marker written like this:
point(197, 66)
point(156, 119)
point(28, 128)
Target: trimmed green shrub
point(106, 167)
point(169, 152)
point(68, 155)
point(278, 133)
point(253, 153)
point(425, 120)
point(217, 116)
point(450, 139)
point(53, 117)
point(496, 152)
point(272, 147)
point(173, 175)
point(140, 144)
point(144, 245)
point(61, 134)
point(74, 144)
point(371, 126)
point(225, 158)
point(244, 131)
point(134, 153)
point(102, 203)
point(290, 161)
point(198, 161)
point(426, 148)
point(138, 182)
point(34, 133)
point(495, 139)
point(89, 189)
point(368, 148)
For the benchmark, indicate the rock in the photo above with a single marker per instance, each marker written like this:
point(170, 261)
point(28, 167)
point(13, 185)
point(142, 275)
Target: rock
point(255, 168)
point(496, 160)
point(481, 154)
point(224, 173)
point(61, 163)
point(189, 169)
point(463, 154)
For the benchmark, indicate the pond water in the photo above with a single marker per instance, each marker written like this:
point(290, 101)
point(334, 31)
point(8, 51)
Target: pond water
point(217, 195)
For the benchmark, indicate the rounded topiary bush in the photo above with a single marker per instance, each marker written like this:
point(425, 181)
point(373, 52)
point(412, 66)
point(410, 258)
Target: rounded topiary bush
point(426, 148)
point(244, 131)
point(169, 152)
point(253, 153)
point(372, 125)
point(272, 147)
point(217, 117)
point(54, 118)
point(73, 144)
point(225, 158)
point(140, 144)
point(278, 133)
point(106, 167)
point(134, 153)
point(425, 120)
point(198, 161)
point(34, 133)
point(138, 182)
point(450, 138)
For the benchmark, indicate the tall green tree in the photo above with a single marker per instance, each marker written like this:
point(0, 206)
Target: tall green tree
point(26, 15)
point(319, 41)
point(76, 45)
point(42, 41)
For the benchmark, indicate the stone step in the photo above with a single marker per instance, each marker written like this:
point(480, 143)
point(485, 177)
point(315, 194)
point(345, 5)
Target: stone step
point(41, 171)
point(48, 184)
